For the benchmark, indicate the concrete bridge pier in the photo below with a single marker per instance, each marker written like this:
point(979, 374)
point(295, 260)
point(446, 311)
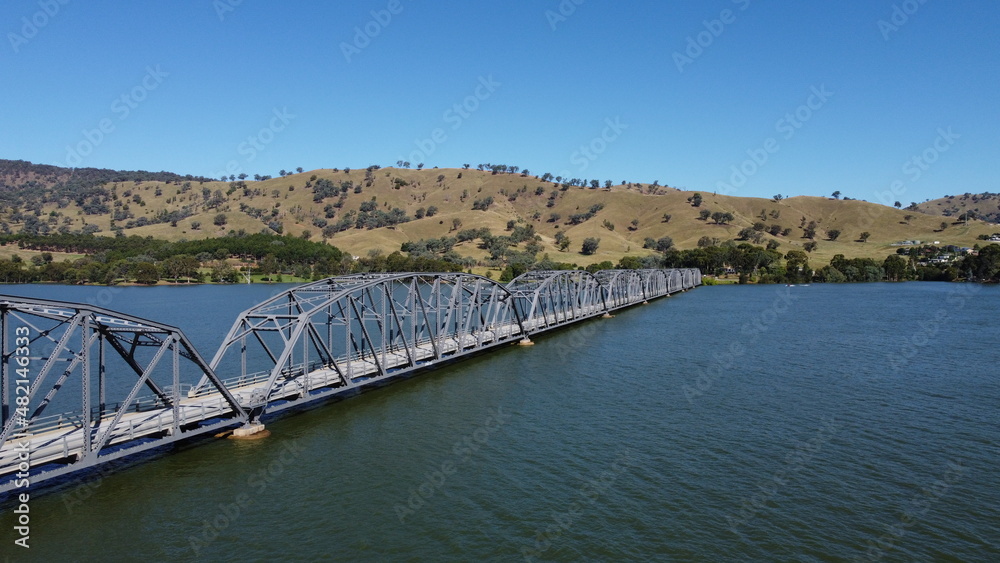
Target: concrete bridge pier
point(250, 432)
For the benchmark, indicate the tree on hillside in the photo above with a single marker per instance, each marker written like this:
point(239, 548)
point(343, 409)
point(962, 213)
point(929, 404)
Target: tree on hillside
point(695, 200)
point(666, 217)
point(220, 220)
point(704, 214)
point(810, 246)
point(562, 241)
point(864, 236)
point(832, 234)
point(836, 194)
point(722, 218)
point(590, 245)
point(810, 230)
point(898, 205)
point(664, 244)
point(300, 169)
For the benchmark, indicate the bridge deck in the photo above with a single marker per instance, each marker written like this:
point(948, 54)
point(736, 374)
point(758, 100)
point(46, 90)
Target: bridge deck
point(63, 438)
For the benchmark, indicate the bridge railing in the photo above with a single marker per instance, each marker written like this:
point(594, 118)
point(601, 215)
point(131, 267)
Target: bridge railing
point(43, 424)
point(318, 338)
point(56, 354)
point(393, 321)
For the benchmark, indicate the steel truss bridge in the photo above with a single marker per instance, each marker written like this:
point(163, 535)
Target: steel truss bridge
point(81, 386)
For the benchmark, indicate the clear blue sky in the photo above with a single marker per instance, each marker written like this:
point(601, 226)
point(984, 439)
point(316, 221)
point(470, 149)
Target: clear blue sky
point(201, 77)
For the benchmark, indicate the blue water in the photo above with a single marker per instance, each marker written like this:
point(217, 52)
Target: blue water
point(763, 423)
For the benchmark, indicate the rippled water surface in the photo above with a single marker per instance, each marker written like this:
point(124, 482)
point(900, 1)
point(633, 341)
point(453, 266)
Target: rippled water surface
point(765, 423)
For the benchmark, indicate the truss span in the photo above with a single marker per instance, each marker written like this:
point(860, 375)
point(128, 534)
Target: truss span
point(119, 385)
point(340, 333)
point(550, 299)
point(83, 385)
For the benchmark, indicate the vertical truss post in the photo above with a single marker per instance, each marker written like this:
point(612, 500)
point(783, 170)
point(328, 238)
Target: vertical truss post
point(243, 356)
point(176, 395)
point(4, 369)
point(382, 321)
point(85, 344)
point(306, 368)
point(101, 377)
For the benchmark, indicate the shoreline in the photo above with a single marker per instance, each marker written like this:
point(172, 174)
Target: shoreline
point(707, 281)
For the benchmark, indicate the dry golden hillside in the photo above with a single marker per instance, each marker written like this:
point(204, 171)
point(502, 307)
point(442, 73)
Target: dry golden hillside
point(985, 206)
point(290, 201)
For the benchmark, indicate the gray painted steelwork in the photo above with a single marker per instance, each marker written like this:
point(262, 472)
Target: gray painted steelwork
point(76, 346)
point(315, 341)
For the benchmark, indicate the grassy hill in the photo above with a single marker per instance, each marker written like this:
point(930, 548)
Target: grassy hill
point(186, 209)
point(986, 206)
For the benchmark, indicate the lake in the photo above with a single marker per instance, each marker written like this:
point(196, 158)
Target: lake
point(735, 423)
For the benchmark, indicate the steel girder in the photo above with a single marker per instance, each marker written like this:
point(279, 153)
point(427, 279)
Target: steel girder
point(321, 339)
point(675, 280)
point(336, 334)
point(55, 359)
point(550, 298)
point(621, 288)
point(654, 283)
point(688, 278)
